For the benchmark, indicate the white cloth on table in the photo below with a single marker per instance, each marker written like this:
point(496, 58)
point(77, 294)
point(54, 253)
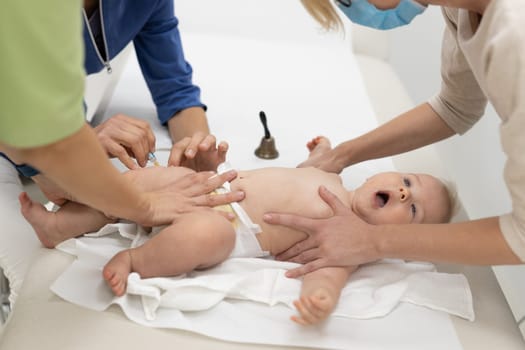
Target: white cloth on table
point(298, 107)
point(373, 291)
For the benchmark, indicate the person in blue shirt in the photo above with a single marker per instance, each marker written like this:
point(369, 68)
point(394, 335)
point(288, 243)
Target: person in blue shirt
point(43, 125)
point(109, 26)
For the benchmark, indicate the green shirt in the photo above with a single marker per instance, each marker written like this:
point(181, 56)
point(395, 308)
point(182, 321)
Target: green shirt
point(41, 71)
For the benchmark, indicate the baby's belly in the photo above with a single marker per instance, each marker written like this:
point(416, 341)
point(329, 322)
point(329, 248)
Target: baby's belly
point(277, 241)
point(283, 190)
point(273, 238)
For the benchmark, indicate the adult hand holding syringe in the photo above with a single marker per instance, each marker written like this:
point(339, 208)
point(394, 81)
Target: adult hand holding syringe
point(129, 139)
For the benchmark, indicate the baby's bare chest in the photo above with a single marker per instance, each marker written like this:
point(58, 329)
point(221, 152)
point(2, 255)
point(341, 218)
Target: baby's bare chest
point(287, 190)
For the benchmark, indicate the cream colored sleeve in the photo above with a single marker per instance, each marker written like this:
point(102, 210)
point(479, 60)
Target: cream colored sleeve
point(461, 102)
point(505, 76)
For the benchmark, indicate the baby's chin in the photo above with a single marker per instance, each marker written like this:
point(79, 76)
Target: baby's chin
point(373, 221)
point(365, 216)
point(380, 220)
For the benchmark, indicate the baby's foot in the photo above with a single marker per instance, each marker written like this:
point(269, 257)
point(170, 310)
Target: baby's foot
point(116, 272)
point(43, 221)
point(318, 146)
point(314, 308)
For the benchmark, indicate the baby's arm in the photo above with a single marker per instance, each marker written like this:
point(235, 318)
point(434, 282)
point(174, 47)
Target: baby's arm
point(320, 293)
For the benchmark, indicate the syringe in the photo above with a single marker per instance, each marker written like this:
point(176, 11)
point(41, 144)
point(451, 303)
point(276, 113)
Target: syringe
point(153, 159)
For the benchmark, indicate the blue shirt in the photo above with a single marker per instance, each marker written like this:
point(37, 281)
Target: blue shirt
point(153, 28)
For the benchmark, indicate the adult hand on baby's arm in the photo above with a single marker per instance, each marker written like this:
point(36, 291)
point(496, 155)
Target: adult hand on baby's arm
point(198, 152)
point(340, 240)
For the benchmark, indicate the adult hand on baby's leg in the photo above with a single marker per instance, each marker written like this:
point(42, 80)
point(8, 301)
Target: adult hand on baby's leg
point(314, 308)
point(190, 193)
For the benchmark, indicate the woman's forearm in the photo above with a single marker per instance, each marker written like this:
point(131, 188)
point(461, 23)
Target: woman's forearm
point(478, 242)
point(187, 122)
point(416, 128)
point(79, 165)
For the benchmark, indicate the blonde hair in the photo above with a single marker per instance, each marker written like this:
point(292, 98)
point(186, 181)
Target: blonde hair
point(324, 12)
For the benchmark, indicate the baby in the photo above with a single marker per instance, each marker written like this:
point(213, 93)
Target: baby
point(202, 239)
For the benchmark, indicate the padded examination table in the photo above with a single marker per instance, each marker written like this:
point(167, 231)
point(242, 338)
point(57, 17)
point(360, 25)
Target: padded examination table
point(41, 320)
point(53, 322)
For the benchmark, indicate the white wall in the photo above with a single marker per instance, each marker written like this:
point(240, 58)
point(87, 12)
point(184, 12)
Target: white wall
point(256, 20)
point(415, 53)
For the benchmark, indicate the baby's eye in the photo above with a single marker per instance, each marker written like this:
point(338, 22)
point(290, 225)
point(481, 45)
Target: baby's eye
point(413, 209)
point(406, 182)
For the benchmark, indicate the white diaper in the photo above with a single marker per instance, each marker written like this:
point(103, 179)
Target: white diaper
point(246, 244)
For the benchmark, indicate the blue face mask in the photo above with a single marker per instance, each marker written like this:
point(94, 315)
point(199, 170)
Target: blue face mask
point(364, 13)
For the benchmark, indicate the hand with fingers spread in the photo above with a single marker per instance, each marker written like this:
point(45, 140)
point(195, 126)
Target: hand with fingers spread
point(343, 239)
point(166, 195)
point(198, 152)
point(174, 191)
point(127, 138)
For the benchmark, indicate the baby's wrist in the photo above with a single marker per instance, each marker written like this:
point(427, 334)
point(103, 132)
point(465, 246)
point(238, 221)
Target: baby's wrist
point(327, 295)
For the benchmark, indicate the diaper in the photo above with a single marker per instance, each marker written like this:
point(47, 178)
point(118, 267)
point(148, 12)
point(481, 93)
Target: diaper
point(246, 243)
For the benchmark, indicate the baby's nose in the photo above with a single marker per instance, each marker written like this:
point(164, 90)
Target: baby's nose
point(404, 194)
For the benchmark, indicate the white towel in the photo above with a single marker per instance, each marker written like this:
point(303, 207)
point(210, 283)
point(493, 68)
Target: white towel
point(245, 300)
point(374, 290)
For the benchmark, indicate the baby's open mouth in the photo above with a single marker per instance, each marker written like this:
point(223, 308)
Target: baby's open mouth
point(382, 199)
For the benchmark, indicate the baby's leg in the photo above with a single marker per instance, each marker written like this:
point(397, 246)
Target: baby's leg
point(320, 293)
point(196, 241)
point(318, 145)
point(69, 221)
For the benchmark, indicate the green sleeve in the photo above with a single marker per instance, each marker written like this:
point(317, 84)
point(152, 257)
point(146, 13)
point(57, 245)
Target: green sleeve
point(41, 71)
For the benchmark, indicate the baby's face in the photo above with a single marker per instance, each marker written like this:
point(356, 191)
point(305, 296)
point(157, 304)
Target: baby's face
point(397, 198)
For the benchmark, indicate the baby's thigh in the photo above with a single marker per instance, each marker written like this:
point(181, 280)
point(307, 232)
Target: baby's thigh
point(213, 234)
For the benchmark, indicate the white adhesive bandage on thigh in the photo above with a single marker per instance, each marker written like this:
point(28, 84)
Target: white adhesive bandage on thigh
point(246, 243)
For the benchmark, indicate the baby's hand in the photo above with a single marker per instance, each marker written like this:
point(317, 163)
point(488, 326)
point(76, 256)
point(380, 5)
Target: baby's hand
point(198, 152)
point(314, 308)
